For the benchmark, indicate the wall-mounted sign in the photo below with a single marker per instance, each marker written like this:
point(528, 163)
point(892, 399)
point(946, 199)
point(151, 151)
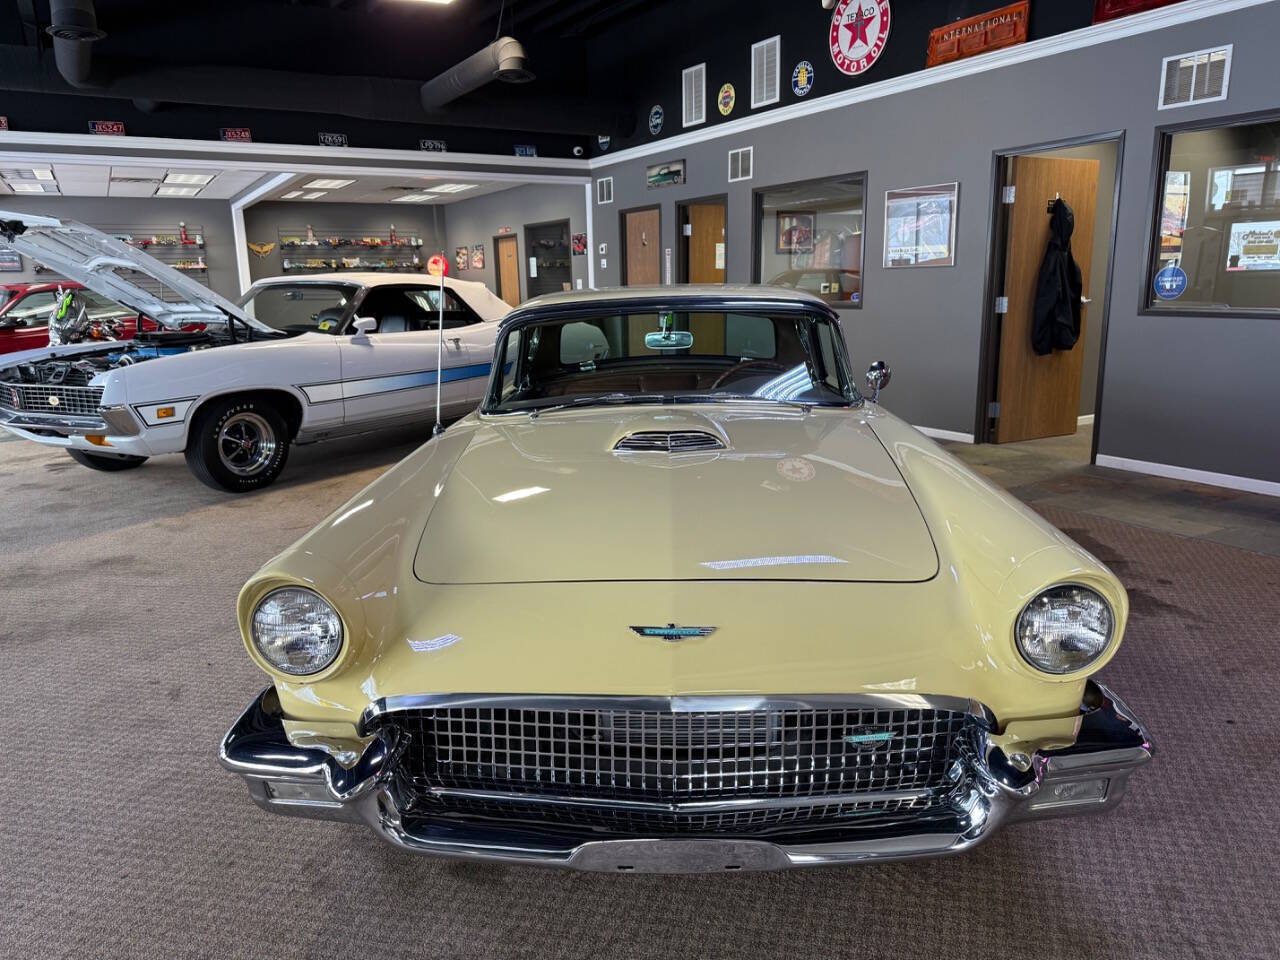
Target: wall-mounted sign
point(1171, 282)
point(433, 146)
point(526, 150)
point(504, 229)
point(669, 174)
point(235, 134)
point(333, 139)
point(974, 35)
point(477, 256)
point(656, 116)
point(859, 32)
point(462, 257)
point(261, 249)
point(10, 261)
point(1110, 9)
point(604, 141)
point(4, 123)
point(920, 226)
point(579, 244)
point(107, 128)
point(438, 265)
point(802, 78)
point(726, 99)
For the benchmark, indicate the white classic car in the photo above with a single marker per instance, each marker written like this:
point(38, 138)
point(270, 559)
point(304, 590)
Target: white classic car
point(297, 359)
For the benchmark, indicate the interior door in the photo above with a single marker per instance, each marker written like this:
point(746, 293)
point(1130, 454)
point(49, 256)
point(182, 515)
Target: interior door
point(1040, 396)
point(641, 230)
point(508, 254)
point(705, 243)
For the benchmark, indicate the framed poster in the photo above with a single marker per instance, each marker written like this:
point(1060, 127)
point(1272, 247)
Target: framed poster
point(669, 174)
point(920, 226)
point(579, 244)
point(461, 257)
point(793, 232)
point(477, 256)
point(10, 260)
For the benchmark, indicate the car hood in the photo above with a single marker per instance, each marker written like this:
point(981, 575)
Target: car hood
point(788, 495)
point(113, 268)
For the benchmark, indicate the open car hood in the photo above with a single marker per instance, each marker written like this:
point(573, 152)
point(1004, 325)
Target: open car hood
point(114, 269)
point(784, 495)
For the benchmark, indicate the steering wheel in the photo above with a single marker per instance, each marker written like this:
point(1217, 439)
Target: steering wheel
point(771, 364)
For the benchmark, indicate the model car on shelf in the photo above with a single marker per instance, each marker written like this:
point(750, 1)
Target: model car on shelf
point(678, 597)
point(296, 360)
point(24, 317)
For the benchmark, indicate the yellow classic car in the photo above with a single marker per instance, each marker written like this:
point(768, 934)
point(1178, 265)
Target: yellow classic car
point(678, 598)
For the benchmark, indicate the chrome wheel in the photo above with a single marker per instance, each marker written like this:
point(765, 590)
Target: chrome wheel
point(246, 443)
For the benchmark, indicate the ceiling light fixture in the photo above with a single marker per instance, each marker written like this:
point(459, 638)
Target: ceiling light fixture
point(450, 187)
point(323, 184)
point(22, 187)
point(414, 198)
point(172, 191)
point(291, 194)
point(439, 3)
point(42, 173)
point(201, 179)
point(314, 195)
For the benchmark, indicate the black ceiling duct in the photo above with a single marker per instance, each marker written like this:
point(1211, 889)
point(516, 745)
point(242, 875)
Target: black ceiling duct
point(74, 28)
point(503, 60)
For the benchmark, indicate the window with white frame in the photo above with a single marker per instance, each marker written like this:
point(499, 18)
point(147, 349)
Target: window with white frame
point(604, 190)
point(695, 95)
point(1198, 77)
point(765, 56)
point(741, 162)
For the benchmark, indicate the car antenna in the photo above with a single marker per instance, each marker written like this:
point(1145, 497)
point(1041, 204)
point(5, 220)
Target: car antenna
point(442, 265)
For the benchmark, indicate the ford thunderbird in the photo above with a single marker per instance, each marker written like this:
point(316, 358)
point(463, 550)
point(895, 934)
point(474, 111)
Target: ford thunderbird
point(680, 597)
point(297, 359)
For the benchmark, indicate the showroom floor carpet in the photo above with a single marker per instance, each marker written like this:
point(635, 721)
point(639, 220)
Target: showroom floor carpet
point(121, 837)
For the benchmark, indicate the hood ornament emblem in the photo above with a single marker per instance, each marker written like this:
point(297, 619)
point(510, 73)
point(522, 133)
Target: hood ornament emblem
point(673, 633)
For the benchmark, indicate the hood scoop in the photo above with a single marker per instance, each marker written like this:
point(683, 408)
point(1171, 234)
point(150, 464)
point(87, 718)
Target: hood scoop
point(669, 441)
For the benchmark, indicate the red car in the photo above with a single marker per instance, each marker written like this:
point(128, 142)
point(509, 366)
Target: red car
point(24, 315)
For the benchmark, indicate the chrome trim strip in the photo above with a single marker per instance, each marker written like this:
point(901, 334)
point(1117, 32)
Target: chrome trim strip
point(120, 421)
point(684, 704)
point(68, 425)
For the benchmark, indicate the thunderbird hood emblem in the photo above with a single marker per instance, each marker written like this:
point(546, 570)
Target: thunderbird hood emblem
point(673, 633)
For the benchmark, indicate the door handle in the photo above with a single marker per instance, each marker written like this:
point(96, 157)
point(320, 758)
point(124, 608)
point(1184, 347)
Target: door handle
point(1086, 300)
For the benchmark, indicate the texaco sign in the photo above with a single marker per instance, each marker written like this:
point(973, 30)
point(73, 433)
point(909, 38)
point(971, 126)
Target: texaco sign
point(859, 31)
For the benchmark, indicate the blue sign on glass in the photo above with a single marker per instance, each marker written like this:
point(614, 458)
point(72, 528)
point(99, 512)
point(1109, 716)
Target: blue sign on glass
point(1171, 282)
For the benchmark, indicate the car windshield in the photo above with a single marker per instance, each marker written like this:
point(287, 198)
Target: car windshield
point(299, 307)
point(650, 357)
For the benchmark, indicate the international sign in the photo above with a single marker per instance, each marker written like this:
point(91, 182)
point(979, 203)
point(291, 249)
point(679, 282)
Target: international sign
point(993, 30)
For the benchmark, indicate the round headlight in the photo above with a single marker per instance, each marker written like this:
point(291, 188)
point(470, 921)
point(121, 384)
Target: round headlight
point(297, 631)
point(1064, 629)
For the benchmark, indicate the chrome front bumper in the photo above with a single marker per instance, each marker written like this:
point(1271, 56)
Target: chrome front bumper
point(1087, 777)
point(51, 427)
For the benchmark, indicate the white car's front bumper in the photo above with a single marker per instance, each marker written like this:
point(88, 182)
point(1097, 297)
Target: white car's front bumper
point(115, 429)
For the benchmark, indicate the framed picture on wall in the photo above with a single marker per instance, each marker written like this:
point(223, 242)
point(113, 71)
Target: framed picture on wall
point(669, 174)
point(920, 226)
point(461, 258)
point(794, 231)
point(477, 256)
point(10, 261)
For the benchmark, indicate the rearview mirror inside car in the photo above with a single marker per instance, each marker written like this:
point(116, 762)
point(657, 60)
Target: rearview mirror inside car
point(668, 340)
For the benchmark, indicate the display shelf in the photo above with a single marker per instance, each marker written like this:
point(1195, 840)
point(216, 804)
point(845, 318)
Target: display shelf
point(181, 246)
point(303, 250)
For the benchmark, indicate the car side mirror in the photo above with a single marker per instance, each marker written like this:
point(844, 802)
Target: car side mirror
point(363, 326)
point(878, 375)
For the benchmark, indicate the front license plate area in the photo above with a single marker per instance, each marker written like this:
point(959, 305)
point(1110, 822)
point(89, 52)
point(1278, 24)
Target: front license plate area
point(678, 856)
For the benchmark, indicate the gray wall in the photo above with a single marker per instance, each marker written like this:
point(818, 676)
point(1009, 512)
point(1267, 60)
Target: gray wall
point(1157, 404)
point(129, 214)
point(478, 221)
point(264, 221)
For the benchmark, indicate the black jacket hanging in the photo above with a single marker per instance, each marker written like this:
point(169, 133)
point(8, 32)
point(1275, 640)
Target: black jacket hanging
point(1056, 323)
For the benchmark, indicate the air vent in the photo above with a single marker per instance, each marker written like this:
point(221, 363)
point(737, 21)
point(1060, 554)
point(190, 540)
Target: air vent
point(1199, 77)
point(135, 179)
point(764, 72)
point(740, 163)
point(695, 95)
point(669, 441)
point(604, 190)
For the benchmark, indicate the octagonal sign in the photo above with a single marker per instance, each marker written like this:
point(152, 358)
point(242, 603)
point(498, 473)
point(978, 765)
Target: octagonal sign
point(859, 32)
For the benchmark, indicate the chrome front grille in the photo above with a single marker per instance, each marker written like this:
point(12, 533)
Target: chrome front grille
point(669, 441)
point(43, 398)
point(634, 772)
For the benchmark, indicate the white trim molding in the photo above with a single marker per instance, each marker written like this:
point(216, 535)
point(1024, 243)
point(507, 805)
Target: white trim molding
point(1090, 36)
point(937, 434)
point(1269, 488)
point(247, 199)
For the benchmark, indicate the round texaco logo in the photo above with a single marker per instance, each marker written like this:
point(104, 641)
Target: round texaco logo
point(859, 31)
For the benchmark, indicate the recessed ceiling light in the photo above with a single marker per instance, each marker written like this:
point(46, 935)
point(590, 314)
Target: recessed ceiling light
point(291, 194)
point(323, 184)
point(197, 178)
point(171, 191)
point(314, 195)
point(21, 187)
point(413, 198)
point(437, 2)
point(42, 173)
point(450, 187)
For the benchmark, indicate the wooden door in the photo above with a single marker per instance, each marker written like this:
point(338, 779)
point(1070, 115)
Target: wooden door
point(641, 230)
point(705, 243)
point(1040, 396)
point(508, 254)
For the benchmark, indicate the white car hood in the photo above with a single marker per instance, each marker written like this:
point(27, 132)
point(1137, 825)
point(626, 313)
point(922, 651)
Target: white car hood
point(91, 257)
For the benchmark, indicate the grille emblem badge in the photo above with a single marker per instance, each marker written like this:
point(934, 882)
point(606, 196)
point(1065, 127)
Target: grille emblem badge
point(673, 633)
point(866, 738)
point(53, 400)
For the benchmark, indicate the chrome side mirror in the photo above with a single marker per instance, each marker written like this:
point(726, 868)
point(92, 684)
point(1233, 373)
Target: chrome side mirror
point(878, 375)
point(363, 326)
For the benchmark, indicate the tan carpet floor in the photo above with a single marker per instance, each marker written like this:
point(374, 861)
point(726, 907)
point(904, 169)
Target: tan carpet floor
point(121, 837)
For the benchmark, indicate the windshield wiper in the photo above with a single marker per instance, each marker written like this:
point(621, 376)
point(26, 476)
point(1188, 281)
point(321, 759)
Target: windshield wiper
point(726, 395)
point(602, 398)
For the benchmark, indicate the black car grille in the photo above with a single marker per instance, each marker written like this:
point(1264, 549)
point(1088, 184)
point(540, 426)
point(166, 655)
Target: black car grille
point(640, 772)
point(43, 398)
